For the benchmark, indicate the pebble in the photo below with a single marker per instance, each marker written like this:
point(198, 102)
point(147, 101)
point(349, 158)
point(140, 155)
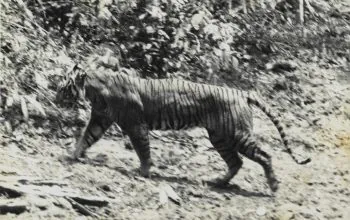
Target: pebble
point(105, 187)
point(261, 211)
point(285, 215)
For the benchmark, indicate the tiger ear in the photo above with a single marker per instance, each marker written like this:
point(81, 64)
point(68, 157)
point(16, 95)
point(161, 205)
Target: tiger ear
point(80, 74)
point(76, 67)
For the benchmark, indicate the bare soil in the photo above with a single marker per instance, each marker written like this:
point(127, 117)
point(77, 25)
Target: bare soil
point(319, 129)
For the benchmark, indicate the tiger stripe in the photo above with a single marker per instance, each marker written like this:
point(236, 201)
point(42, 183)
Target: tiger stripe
point(139, 105)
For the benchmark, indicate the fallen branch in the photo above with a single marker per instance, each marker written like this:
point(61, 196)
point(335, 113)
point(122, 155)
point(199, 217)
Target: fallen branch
point(26, 180)
point(94, 201)
point(301, 11)
point(16, 207)
point(11, 193)
point(244, 5)
point(82, 209)
point(48, 183)
point(15, 191)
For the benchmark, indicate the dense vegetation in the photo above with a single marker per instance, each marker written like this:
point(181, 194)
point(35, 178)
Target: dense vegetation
point(206, 41)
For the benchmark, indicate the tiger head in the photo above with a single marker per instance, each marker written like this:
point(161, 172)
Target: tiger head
point(71, 89)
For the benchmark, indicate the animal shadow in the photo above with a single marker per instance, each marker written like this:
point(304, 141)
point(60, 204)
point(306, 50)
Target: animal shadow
point(228, 188)
point(236, 189)
point(101, 160)
point(173, 179)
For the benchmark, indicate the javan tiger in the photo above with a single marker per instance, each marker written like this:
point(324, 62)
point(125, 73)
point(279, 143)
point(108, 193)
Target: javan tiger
point(139, 105)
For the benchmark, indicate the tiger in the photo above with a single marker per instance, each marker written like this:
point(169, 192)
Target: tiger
point(139, 105)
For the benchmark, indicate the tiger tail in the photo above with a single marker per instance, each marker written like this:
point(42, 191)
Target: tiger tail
point(254, 98)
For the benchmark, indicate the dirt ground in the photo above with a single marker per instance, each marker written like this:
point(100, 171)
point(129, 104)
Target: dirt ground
point(318, 128)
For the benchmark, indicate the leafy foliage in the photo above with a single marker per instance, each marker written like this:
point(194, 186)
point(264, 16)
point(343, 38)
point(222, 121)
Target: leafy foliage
point(205, 41)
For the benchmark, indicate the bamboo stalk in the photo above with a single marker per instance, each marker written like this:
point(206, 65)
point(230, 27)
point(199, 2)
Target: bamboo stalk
point(244, 5)
point(301, 11)
point(252, 5)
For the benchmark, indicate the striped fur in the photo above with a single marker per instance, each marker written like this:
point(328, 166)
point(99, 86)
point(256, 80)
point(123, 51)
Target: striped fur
point(140, 105)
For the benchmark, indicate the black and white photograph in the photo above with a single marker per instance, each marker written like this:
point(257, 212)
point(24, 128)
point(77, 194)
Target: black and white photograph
point(175, 109)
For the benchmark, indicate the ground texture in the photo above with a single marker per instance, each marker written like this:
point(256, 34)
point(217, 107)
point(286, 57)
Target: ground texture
point(301, 68)
point(319, 190)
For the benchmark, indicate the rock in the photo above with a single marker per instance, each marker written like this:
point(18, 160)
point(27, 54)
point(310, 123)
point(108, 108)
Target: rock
point(288, 207)
point(280, 84)
point(105, 187)
point(12, 206)
point(200, 159)
point(163, 197)
point(100, 158)
point(197, 20)
point(281, 66)
point(293, 77)
point(57, 213)
point(128, 145)
point(346, 111)
point(285, 215)
point(307, 213)
point(8, 170)
point(41, 203)
point(261, 211)
point(287, 211)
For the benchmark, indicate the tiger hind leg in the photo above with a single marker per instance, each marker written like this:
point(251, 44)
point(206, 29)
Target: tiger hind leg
point(230, 156)
point(93, 132)
point(253, 152)
point(138, 135)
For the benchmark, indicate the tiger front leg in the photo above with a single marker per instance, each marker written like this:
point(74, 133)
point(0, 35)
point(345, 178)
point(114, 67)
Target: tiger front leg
point(96, 127)
point(138, 135)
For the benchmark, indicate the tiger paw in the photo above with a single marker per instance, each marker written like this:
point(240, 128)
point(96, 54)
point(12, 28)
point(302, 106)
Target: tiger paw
point(78, 155)
point(66, 159)
point(69, 159)
point(144, 169)
point(218, 182)
point(273, 183)
point(80, 159)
